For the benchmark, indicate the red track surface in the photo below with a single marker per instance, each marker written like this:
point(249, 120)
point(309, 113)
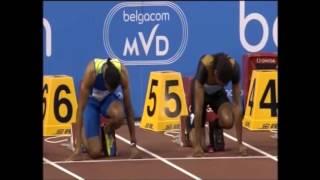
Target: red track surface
point(217, 165)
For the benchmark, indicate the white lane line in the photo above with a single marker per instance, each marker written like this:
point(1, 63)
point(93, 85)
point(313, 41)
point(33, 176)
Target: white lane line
point(252, 147)
point(161, 159)
point(155, 159)
point(62, 169)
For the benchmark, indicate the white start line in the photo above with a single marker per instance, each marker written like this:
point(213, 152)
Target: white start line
point(156, 157)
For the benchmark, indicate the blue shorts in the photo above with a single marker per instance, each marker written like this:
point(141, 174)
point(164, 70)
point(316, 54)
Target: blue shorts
point(92, 112)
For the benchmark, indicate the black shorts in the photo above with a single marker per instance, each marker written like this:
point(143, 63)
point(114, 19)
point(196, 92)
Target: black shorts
point(214, 100)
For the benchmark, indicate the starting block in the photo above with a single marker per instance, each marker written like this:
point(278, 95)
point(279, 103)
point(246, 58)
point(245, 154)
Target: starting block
point(164, 102)
point(262, 105)
point(59, 105)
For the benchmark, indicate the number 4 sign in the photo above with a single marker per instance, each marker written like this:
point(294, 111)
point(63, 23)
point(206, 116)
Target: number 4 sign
point(59, 105)
point(262, 104)
point(165, 101)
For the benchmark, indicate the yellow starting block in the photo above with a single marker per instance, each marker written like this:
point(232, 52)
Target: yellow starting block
point(165, 102)
point(262, 104)
point(59, 105)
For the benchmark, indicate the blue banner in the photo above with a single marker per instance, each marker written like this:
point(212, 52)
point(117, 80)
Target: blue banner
point(151, 36)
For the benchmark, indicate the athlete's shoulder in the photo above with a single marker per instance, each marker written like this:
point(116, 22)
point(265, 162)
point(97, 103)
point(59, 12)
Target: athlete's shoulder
point(206, 59)
point(234, 63)
point(99, 60)
point(98, 64)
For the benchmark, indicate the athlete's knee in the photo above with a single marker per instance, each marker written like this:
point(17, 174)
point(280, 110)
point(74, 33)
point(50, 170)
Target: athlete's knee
point(117, 120)
point(94, 147)
point(226, 120)
point(117, 115)
point(225, 114)
point(117, 123)
point(116, 109)
point(94, 152)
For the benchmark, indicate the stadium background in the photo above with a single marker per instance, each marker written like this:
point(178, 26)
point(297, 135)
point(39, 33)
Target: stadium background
point(174, 35)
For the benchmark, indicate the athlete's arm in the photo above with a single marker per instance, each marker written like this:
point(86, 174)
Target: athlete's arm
point(127, 103)
point(87, 82)
point(236, 102)
point(199, 79)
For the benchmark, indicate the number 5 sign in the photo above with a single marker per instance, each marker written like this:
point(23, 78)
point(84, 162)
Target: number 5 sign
point(165, 101)
point(59, 105)
point(262, 103)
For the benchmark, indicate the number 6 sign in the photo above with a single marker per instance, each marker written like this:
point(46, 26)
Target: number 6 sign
point(59, 105)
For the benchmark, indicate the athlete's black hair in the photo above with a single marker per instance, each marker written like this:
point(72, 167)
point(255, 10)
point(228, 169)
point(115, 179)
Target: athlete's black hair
point(112, 75)
point(223, 67)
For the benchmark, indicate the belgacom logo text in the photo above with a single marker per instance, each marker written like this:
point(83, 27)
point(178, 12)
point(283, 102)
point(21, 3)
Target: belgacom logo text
point(145, 33)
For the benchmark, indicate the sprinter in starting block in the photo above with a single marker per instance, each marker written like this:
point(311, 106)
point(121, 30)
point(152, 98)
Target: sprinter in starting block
point(213, 73)
point(98, 97)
